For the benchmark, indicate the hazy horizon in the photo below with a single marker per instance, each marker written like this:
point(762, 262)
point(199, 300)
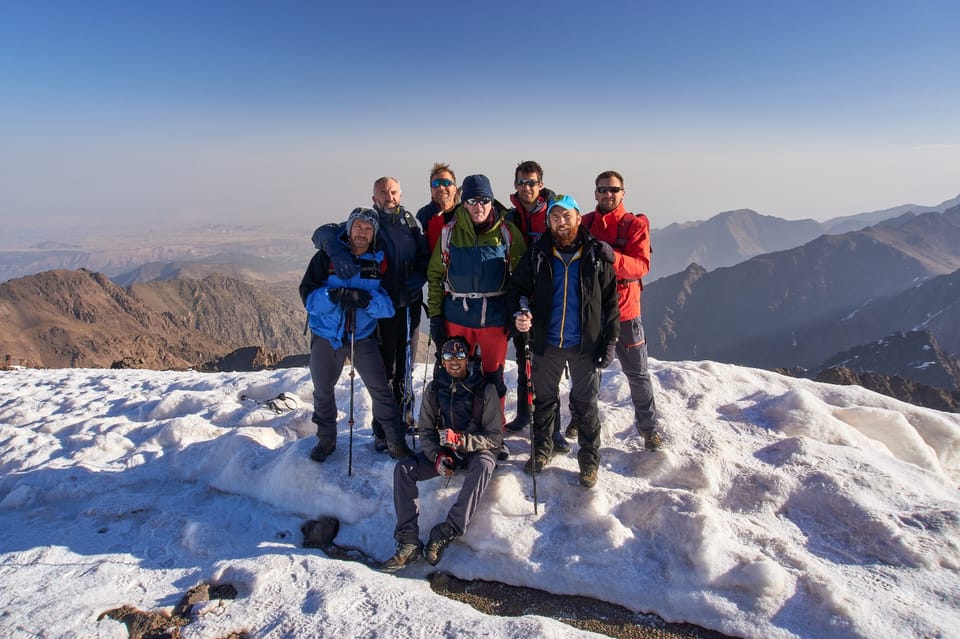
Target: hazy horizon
point(131, 115)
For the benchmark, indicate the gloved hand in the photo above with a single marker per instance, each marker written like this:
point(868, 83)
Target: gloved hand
point(606, 251)
point(607, 357)
point(354, 298)
point(399, 449)
point(334, 294)
point(438, 330)
point(444, 464)
point(451, 438)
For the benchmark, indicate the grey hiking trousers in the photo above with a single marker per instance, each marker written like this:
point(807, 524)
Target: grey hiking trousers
point(326, 365)
point(478, 468)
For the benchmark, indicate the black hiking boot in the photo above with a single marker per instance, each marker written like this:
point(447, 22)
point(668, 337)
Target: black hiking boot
point(440, 538)
point(321, 451)
point(407, 553)
point(400, 450)
point(560, 445)
point(572, 429)
point(521, 421)
point(380, 445)
point(503, 454)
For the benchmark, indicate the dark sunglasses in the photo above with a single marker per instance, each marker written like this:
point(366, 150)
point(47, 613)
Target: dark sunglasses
point(483, 201)
point(458, 355)
point(437, 183)
point(609, 189)
point(520, 183)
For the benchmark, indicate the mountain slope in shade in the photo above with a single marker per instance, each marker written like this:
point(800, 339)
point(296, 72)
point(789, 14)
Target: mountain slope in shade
point(913, 355)
point(751, 313)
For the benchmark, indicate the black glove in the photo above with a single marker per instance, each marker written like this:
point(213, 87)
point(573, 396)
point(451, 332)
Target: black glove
point(606, 251)
point(607, 357)
point(362, 297)
point(399, 450)
point(354, 298)
point(438, 330)
point(335, 294)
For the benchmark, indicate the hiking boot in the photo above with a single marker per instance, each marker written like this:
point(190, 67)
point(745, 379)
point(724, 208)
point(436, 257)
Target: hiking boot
point(536, 463)
point(504, 453)
point(380, 445)
point(572, 429)
point(588, 477)
point(651, 439)
point(560, 444)
point(407, 553)
point(440, 538)
point(522, 421)
point(321, 451)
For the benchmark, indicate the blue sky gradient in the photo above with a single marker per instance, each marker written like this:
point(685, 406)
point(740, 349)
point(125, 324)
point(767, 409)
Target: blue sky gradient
point(129, 113)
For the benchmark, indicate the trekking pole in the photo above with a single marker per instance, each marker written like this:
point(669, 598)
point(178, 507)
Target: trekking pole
point(352, 317)
point(525, 338)
point(426, 358)
point(408, 398)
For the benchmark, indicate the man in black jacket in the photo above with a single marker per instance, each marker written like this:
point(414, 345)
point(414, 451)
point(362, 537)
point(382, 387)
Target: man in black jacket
point(563, 295)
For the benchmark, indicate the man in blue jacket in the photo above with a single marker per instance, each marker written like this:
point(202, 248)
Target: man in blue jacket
point(407, 256)
point(342, 314)
point(563, 296)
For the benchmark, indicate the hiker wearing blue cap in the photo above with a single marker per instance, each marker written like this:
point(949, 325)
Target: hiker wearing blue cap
point(563, 295)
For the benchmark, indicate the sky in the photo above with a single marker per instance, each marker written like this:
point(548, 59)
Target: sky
point(133, 114)
point(777, 508)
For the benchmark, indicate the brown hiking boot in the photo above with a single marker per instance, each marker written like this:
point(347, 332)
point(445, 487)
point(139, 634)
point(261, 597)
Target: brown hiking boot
point(652, 439)
point(588, 477)
point(406, 554)
point(536, 463)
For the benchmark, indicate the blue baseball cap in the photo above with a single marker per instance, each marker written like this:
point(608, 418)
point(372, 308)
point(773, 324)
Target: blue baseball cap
point(563, 201)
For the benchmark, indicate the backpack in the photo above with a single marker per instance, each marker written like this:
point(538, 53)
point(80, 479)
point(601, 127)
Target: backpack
point(445, 257)
point(476, 416)
point(623, 232)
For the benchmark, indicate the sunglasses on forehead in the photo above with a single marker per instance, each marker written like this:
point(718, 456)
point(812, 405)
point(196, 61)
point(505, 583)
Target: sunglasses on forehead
point(474, 201)
point(438, 182)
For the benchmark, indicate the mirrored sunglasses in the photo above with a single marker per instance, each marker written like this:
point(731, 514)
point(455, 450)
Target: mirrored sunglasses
point(474, 201)
point(437, 183)
point(458, 355)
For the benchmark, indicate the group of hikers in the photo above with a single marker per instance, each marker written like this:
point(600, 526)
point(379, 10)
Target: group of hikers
point(564, 285)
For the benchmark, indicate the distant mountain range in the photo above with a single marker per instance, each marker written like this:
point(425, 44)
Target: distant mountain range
point(800, 306)
point(734, 236)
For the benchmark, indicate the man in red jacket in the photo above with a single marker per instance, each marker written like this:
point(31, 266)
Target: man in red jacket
point(629, 235)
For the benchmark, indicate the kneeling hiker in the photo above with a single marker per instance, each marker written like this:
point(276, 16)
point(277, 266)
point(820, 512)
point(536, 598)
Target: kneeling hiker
point(461, 425)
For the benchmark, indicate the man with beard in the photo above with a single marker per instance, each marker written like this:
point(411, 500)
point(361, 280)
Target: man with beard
point(407, 257)
point(629, 235)
point(460, 430)
point(342, 314)
point(563, 296)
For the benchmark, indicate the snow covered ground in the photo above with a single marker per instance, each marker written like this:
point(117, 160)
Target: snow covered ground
point(778, 508)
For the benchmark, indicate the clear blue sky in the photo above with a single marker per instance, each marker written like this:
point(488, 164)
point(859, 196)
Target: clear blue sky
point(286, 111)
